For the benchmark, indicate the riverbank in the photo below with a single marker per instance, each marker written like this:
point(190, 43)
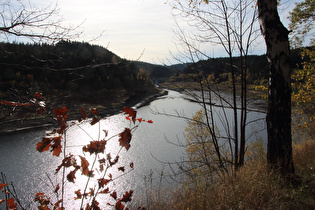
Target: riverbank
point(16, 124)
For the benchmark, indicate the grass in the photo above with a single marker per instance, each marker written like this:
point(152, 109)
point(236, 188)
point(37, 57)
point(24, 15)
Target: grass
point(253, 186)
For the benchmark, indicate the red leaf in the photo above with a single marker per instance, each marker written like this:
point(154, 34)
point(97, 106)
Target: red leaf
point(125, 138)
point(61, 112)
point(127, 196)
point(95, 205)
point(2, 185)
point(62, 122)
point(11, 203)
point(37, 95)
point(84, 165)
point(56, 146)
point(150, 121)
point(71, 176)
point(131, 113)
point(83, 113)
point(121, 169)
point(119, 206)
point(94, 111)
point(95, 120)
point(79, 194)
point(67, 162)
point(131, 165)
point(105, 191)
point(95, 147)
point(114, 195)
point(102, 182)
point(43, 145)
point(2, 200)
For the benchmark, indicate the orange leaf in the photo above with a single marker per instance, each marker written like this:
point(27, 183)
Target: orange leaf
point(43, 145)
point(102, 182)
point(131, 113)
point(125, 138)
point(84, 165)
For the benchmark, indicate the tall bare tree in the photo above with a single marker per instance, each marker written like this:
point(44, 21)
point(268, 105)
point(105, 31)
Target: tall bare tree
point(231, 25)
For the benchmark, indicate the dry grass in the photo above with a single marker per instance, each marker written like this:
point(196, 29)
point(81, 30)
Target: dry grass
point(253, 187)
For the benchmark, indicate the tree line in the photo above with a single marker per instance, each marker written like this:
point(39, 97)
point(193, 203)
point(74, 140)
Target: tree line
point(77, 70)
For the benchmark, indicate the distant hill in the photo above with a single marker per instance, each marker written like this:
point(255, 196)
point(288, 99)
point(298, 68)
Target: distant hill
point(219, 68)
point(257, 66)
point(158, 73)
point(73, 73)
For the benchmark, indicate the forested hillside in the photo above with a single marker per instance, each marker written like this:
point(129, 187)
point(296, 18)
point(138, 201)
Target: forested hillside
point(71, 73)
point(218, 69)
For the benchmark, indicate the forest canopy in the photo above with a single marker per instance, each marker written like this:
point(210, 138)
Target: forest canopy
point(69, 72)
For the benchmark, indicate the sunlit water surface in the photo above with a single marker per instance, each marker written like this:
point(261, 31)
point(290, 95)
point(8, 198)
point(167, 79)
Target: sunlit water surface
point(152, 146)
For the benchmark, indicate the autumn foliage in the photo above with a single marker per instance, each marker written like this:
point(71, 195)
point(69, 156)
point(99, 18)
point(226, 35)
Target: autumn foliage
point(73, 166)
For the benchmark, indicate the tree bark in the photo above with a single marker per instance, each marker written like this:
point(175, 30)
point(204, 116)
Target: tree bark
point(279, 147)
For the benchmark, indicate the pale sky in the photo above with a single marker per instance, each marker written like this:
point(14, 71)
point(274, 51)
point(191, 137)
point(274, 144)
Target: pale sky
point(131, 26)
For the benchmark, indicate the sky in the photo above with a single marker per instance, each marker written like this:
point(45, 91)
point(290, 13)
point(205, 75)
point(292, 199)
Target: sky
point(132, 28)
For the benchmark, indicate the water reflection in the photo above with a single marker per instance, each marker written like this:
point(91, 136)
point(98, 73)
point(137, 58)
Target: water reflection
point(149, 148)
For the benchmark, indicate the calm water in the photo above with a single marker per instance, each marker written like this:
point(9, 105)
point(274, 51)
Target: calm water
point(150, 147)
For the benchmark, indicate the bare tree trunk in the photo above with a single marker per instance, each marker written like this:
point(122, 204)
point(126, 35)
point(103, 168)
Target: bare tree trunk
point(279, 148)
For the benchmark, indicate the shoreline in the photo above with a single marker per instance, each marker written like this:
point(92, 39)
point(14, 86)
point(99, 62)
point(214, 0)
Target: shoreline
point(25, 125)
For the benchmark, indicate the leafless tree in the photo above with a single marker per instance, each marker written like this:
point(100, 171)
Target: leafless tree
point(21, 20)
point(232, 26)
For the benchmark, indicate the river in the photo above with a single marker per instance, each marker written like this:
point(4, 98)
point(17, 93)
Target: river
point(150, 146)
